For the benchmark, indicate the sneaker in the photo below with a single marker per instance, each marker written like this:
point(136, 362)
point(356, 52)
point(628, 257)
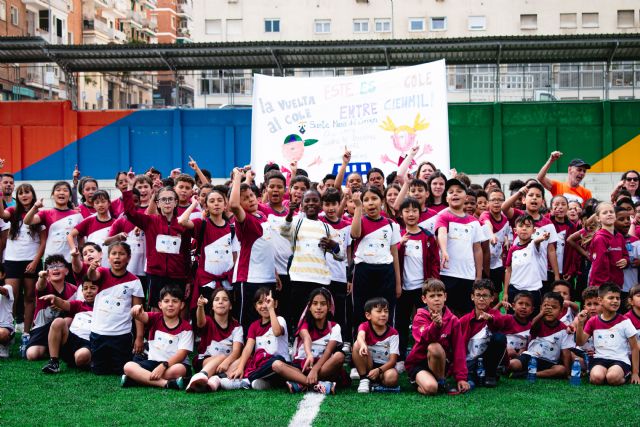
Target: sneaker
point(214, 383)
point(354, 375)
point(125, 382)
point(51, 367)
point(364, 385)
point(295, 387)
point(198, 383)
point(177, 384)
point(325, 387)
point(400, 367)
point(4, 351)
point(229, 384)
point(23, 345)
point(490, 382)
point(346, 349)
point(260, 384)
point(19, 328)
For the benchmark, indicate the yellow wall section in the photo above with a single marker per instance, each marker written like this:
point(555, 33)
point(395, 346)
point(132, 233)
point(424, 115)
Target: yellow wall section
point(621, 160)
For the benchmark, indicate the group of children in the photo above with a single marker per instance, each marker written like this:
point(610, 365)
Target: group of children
point(183, 284)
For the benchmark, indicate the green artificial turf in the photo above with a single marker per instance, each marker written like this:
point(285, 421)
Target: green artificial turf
point(29, 397)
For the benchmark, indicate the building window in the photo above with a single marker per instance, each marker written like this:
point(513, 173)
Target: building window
point(622, 75)
point(591, 76)
point(360, 25)
point(43, 20)
point(528, 22)
point(213, 26)
point(416, 24)
point(590, 20)
point(568, 76)
point(438, 23)
point(568, 20)
point(383, 25)
point(3, 10)
point(271, 25)
point(322, 26)
point(477, 23)
point(626, 19)
point(14, 16)
point(234, 27)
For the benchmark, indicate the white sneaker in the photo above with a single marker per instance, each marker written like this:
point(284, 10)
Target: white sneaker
point(4, 351)
point(260, 384)
point(346, 347)
point(20, 328)
point(354, 375)
point(400, 367)
point(229, 384)
point(214, 383)
point(198, 383)
point(364, 386)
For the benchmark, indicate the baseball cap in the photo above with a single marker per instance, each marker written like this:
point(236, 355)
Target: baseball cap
point(580, 163)
point(454, 181)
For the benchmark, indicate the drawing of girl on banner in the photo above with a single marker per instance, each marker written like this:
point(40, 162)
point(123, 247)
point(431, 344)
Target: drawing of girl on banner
point(404, 137)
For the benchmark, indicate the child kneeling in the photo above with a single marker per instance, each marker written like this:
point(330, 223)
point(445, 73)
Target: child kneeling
point(438, 340)
point(170, 342)
point(376, 350)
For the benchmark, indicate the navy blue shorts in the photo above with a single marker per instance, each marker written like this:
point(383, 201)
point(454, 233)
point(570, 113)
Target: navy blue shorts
point(39, 336)
point(422, 366)
point(109, 353)
point(73, 344)
point(266, 371)
point(608, 363)
point(542, 364)
point(150, 365)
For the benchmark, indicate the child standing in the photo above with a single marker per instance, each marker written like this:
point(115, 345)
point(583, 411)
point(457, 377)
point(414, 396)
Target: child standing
point(377, 270)
point(51, 281)
point(439, 344)
point(622, 226)
point(111, 338)
point(497, 224)
point(317, 346)
point(71, 341)
point(550, 342)
point(522, 263)
point(419, 261)
point(459, 237)
point(94, 228)
point(608, 249)
point(170, 342)
point(614, 338)
point(564, 228)
point(375, 352)
point(220, 342)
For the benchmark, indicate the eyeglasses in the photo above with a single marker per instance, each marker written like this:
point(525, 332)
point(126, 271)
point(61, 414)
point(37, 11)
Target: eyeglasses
point(483, 297)
point(636, 179)
point(166, 200)
point(55, 266)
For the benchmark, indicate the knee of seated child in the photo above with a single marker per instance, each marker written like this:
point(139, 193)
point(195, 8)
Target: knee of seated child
point(390, 377)
point(338, 357)
point(615, 375)
point(277, 365)
point(82, 357)
point(58, 323)
point(176, 371)
point(435, 350)
point(35, 352)
point(130, 367)
point(515, 365)
point(427, 383)
point(5, 334)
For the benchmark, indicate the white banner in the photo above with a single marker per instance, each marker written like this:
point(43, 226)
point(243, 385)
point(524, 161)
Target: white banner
point(377, 116)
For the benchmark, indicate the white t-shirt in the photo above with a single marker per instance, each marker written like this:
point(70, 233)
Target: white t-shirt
point(462, 233)
point(6, 308)
point(524, 263)
point(375, 241)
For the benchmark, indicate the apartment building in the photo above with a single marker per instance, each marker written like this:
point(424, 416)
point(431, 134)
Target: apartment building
point(280, 20)
point(13, 20)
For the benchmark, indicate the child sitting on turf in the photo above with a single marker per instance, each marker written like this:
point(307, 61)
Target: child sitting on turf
point(376, 351)
point(479, 330)
point(518, 324)
point(569, 308)
point(550, 342)
point(591, 307)
point(119, 290)
point(439, 344)
point(634, 312)
point(170, 342)
point(522, 272)
point(6, 315)
point(614, 338)
point(71, 341)
point(220, 341)
point(317, 344)
point(50, 281)
point(266, 346)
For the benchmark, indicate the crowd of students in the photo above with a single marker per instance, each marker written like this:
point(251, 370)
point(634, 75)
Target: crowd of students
point(180, 283)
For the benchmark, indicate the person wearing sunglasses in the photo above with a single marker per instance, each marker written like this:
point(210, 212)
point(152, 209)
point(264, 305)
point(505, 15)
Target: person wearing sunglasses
point(629, 182)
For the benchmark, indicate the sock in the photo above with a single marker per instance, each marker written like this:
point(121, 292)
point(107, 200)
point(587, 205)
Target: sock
point(54, 360)
point(442, 381)
point(363, 377)
point(204, 372)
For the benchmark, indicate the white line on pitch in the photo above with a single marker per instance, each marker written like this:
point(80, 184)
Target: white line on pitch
point(308, 408)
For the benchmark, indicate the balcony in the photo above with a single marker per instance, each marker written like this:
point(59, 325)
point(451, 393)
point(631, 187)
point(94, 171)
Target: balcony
point(185, 10)
point(42, 77)
point(60, 5)
point(101, 27)
point(117, 8)
point(184, 32)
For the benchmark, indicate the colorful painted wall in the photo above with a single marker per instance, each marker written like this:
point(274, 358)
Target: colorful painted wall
point(45, 140)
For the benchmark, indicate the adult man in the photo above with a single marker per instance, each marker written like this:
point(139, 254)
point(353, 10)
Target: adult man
point(7, 190)
point(571, 189)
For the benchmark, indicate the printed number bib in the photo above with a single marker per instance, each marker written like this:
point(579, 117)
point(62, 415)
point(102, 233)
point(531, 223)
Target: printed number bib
point(168, 244)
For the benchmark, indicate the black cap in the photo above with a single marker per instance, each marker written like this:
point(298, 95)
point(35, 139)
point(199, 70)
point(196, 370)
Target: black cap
point(454, 181)
point(579, 163)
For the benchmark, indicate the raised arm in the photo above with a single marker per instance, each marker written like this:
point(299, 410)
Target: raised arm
point(401, 195)
point(346, 158)
point(507, 205)
point(184, 218)
point(406, 163)
point(193, 165)
point(234, 198)
point(542, 174)
point(32, 216)
point(356, 224)
point(57, 302)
